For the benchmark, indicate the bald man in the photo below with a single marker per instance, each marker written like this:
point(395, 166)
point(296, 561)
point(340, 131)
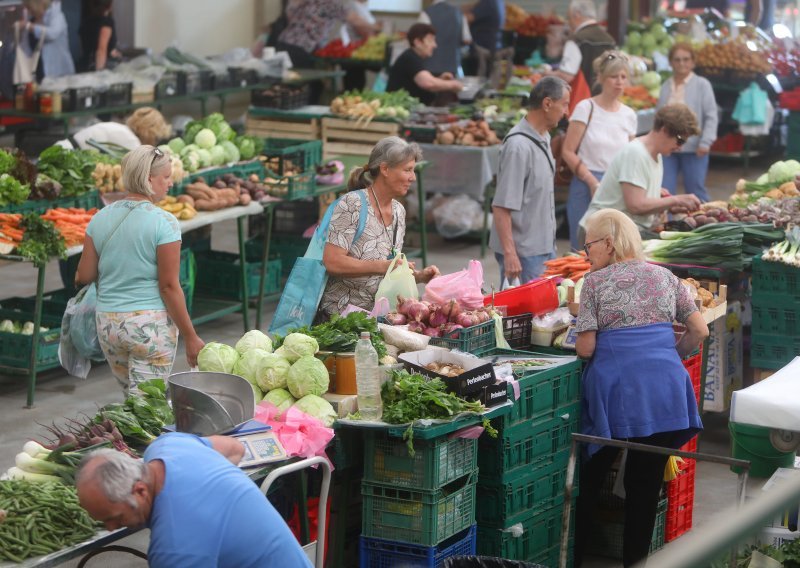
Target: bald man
point(201, 509)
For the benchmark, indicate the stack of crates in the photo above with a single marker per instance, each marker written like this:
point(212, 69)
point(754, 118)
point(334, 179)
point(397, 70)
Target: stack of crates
point(523, 471)
point(418, 508)
point(775, 339)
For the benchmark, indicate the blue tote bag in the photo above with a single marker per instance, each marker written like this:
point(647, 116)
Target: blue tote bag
point(306, 284)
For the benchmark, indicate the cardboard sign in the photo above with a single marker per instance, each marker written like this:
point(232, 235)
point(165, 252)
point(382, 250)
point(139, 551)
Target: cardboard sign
point(478, 373)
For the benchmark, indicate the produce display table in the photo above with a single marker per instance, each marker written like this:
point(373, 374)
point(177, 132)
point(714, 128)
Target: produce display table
point(460, 169)
point(306, 75)
point(204, 310)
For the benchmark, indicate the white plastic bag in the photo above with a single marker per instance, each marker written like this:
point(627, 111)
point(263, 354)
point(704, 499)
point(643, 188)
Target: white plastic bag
point(79, 343)
point(457, 216)
point(399, 281)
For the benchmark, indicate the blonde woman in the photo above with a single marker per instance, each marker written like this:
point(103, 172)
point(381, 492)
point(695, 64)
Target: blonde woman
point(635, 386)
point(132, 252)
point(598, 128)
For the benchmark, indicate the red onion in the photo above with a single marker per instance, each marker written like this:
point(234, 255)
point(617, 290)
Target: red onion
point(451, 309)
point(402, 305)
point(393, 318)
point(467, 319)
point(450, 330)
point(416, 326)
point(432, 332)
point(483, 315)
point(438, 318)
point(417, 311)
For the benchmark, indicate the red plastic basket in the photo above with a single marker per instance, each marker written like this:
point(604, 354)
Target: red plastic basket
point(694, 364)
point(537, 297)
point(680, 497)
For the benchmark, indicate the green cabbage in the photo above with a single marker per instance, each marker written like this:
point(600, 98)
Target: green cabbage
point(205, 139)
point(254, 339)
point(299, 345)
point(189, 148)
point(191, 162)
point(281, 398)
point(217, 155)
point(763, 179)
point(205, 157)
point(651, 80)
point(223, 131)
point(273, 372)
point(217, 357)
point(176, 145)
point(249, 365)
point(282, 352)
point(307, 376)
point(231, 151)
point(257, 394)
point(781, 172)
point(191, 129)
point(318, 408)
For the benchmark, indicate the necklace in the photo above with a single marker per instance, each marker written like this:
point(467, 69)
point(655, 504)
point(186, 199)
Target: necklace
point(383, 223)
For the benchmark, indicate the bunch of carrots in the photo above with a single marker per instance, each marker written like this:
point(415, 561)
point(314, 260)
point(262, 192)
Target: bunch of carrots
point(572, 266)
point(71, 223)
point(10, 230)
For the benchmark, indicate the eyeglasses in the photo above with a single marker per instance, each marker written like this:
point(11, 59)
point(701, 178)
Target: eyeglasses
point(590, 243)
point(611, 56)
point(680, 140)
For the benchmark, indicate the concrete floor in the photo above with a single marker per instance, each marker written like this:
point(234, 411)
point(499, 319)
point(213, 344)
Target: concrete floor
point(58, 395)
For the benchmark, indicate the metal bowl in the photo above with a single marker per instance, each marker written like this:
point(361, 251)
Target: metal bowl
point(207, 403)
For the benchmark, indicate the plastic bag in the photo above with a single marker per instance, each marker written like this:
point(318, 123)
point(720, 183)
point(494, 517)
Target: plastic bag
point(464, 286)
point(79, 343)
point(399, 281)
point(457, 216)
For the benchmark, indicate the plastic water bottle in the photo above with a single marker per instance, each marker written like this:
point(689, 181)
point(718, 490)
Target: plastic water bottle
point(368, 382)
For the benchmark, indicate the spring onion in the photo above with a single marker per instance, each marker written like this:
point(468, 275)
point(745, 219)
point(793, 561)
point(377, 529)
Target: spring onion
point(718, 245)
point(17, 473)
point(788, 250)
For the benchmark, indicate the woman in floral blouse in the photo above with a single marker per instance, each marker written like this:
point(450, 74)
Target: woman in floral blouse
point(635, 386)
point(356, 267)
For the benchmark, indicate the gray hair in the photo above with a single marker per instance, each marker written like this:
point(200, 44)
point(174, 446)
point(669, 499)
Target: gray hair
point(584, 8)
point(549, 87)
point(116, 474)
point(392, 151)
point(139, 164)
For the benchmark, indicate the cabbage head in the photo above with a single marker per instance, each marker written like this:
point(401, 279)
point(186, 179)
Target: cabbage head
point(205, 139)
point(781, 172)
point(217, 155)
point(317, 407)
point(191, 162)
point(176, 145)
point(205, 157)
point(307, 376)
point(273, 373)
point(299, 345)
point(254, 339)
point(249, 365)
point(257, 394)
point(281, 398)
point(217, 357)
point(231, 151)
point(189, 148)
point(763, 179)
point(282, 352)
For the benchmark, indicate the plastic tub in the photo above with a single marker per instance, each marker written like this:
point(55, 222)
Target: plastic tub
point(537, 297)
point(752, 443)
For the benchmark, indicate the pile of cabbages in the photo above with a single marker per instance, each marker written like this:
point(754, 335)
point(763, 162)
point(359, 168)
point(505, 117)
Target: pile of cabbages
point(288, 376)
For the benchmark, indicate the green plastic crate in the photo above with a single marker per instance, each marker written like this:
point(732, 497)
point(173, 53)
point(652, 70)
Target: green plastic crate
point(88, 200)
point(15, 348)
point(775, 280)
point(768, 351)
point(775, 316)
point(418, 516)
point(305, 154)
point(218, 275)
point(285, 248)
point(479, 339)
point(535, 442)
point(530, 490)
point(541, 532)
point(608, 527)
point(435, 462)
point(552, 555)
point(53, 303)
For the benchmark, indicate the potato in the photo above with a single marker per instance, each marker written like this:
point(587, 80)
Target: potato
point(447, 137)
point(186, 199)
point(244, 199)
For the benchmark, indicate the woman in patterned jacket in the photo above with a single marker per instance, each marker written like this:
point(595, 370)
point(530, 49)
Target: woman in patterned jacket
point(356, 267)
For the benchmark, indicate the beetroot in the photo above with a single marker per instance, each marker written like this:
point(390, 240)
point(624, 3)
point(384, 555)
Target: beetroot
point(393, 318)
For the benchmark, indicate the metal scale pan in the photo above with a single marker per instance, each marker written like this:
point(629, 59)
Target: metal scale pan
point(207, 403)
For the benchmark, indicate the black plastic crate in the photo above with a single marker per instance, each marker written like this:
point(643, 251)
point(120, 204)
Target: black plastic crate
point(167, 86)
point(282, 97)
point(118, 94)
point(242, 77)
point(199, 80)
point(81, 98)
point(294, 217)
point(517, 330)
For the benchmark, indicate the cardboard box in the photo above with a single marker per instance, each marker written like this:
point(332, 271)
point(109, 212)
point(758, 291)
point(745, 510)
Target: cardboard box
point(477, 375)
point(343, 404)
point(492, 395)
point(788, 518)
point(725, 360)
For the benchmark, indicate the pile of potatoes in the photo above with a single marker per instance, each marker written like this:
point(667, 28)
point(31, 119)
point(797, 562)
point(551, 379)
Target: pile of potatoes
point(473, 133)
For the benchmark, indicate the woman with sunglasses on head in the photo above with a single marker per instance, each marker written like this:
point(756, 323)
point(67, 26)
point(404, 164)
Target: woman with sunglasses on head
point(635, 386)
point(132, 252)
point(632, 183)
point(598, 128)
point(691, 161)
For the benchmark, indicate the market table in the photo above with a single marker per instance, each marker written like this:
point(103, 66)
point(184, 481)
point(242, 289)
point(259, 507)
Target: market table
point(209, 309)
point(306, 75)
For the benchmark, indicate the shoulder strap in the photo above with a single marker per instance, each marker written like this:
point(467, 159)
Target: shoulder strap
point(324, 225)
point(362, 214)
point(588, 121)
point(114, 232)
point(539, 145)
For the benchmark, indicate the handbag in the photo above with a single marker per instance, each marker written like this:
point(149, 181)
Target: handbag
point(303, 290)
point(398, 281)
point(564, 174)
point(25, 65)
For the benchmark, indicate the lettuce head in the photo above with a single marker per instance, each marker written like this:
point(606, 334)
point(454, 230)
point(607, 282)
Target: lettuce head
point(308, 375)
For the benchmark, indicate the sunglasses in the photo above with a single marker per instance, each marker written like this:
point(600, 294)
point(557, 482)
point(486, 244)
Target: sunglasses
point(680, 140)
point(590, 243)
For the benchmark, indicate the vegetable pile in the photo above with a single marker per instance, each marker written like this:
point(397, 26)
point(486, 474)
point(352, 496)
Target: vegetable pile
point(786, 251)
point(25, 328)
point(70, 222)
point(366, 105)
point(340, 334)
point(213, 142)
point(41, 241)
point(434, 320)
point(471, 133)
point(573, 265)
point(37, 519)
point(73, 169)
point(207, 198)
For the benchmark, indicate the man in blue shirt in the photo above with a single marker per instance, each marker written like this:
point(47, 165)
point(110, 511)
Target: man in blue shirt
point(201, 509)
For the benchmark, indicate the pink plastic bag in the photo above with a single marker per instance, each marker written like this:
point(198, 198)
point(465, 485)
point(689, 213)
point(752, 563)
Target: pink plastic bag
point(299, 434)
point(464, 286)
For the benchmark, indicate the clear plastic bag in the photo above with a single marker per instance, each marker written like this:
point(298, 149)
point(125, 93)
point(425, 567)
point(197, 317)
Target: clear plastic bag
point(399, 281)
point(79, 343)
point(457, 216)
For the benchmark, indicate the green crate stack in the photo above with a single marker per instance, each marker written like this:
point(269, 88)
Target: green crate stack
point(775, 336)
point(285, 248)
point(15, 348)
point(793, 136)
point(88, 200)
point(218, 275)
point(422, 497)
point(284, 157)
point(522, 472)
point(242, 170)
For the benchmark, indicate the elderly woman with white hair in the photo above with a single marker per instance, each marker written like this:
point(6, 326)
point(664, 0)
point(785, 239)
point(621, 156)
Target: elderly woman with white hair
point(635, 386)
point(357, 265)
point(132, 252)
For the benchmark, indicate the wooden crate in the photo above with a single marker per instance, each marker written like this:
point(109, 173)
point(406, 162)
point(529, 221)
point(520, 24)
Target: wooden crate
point(344, 137)
point(278, 128)
point(761, 374)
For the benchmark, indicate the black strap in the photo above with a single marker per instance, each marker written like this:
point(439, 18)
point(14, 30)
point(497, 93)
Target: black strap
point(538, 143)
